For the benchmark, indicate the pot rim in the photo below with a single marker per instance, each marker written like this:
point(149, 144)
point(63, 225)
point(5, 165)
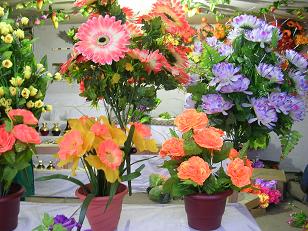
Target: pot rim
point(212, 196)
point(16, 194)
point(120, 194)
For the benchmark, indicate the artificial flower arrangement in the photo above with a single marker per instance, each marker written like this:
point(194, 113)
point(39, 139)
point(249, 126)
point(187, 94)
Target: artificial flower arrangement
point(17, 145)
point(247, 88)
point(193, 157)
point(23, 81)
point(196, 171)
point(101, 147)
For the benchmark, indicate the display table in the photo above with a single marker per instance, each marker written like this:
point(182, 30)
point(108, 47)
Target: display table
point(152, 217)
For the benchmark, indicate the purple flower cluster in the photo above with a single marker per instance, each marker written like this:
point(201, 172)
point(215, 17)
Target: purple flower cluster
point(198, 48)
point(298, 109)
point(245, 21)
point(222, 48)
point(227, 80)
point(297, 60)
point(270, 72)
point(300, 81)
point(68, 223)
point(270, 184)
point(215, 103)
point(266, 114)
point(189, 102)
point(281, 101)
point(194, 79)
point(258, 164)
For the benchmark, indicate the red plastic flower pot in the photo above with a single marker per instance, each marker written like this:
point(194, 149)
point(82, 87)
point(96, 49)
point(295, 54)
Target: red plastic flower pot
point(99, 218)
point(204, 212)
point(9, 208)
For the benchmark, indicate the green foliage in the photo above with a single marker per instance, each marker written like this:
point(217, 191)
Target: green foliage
point(289, 141)
point(165, 115)
point(219, 182)
point(223, 153)
point(48, 222)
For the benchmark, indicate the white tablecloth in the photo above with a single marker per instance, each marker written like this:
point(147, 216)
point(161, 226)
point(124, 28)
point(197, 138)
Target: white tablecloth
point(141, 217)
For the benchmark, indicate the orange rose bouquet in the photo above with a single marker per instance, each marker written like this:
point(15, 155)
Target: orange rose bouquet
point(17, 145)
point(193, 159)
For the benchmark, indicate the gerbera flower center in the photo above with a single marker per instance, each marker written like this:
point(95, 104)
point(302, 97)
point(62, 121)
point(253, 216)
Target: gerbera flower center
point(103, 40)
point(169, 17)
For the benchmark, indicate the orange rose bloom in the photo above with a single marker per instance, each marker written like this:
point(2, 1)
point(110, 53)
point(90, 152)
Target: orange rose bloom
point(219, 131)
point(233, 154)
point(173, 147)
point(195, 169)
point(208, 138)
point(239, 173)
point(191, 119)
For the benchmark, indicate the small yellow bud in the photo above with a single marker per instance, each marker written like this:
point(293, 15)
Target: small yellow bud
point(33, 91)
point(49, 75)
point(8, 109)
point(30, 104)
point(1, 11)
point(58, 76)
point(48, 107)
point(13, 91)
point(19, 34)
point(25, 93)
point(129, 67)
point(9, 101)
point(39, 95)
point(40, 67)
point(24, 21)
point(7, 63)
point(38, 104)
point(17, 81)
point(115, 78)
point(1, 91)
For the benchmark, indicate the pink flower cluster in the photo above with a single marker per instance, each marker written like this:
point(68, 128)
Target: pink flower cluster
point(273, 194)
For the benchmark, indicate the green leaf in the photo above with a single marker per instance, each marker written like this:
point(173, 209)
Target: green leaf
point(173, 133)
point(21, 165)
point(191, 148)
point(7, 54)
point(84, 208)
point(47, 220)
point(133, 175)
point(58, 227)
point(112, 192)
point(244, 150)
point(223, 153)
point(4, 47)
point(171, 165)
point(275, 38)
point(63, 177)
point(20, 147)
point(289, 141)
point(8, 176)
point(10, 157)
point(8, 125)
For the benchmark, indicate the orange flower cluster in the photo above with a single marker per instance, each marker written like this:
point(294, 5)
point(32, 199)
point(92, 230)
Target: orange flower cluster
point(240, 172)
point(173, 147)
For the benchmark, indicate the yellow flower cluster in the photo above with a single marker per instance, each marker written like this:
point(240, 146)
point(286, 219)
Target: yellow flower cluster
point(5, 28)
point(301, 40)
point(170, 39)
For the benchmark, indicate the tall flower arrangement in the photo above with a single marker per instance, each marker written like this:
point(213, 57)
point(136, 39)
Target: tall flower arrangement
point(249, 89)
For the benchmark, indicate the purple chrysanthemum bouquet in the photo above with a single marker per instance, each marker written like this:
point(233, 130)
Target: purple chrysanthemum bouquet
point(247, 88)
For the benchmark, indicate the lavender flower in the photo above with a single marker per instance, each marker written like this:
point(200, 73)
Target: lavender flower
point(215, 103)
point(246, 22)
point(298, 110)
point(225, 50)
point(295, 58)
point(240, 85)
point(300, 81)
point(233, 34)
point(263, 34)
point(189, 102)
point(270, 72)
point(198, 47)
point(266, 114)
point(68, 223)
point(270, 184)
point(212, 41)
point(225, 74)
point(258, 164)
point(194, 79)
point(281, 101)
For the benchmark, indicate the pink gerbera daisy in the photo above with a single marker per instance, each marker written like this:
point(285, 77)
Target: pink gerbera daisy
point(81, 3)
point(102, 40)
point(110, 154)
point(153, 61)
point(133, 29)
point(180, 57)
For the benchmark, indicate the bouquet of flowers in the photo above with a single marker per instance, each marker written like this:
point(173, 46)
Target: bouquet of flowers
point(247, 88)
point(23, 81)
point(17, 141)
point(195, 157)
point(122, 59)
point(102, 148)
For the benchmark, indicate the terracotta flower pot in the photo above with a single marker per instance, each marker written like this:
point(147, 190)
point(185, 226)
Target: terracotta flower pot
point(100, 219)
point(204, 212)
point(9, 208)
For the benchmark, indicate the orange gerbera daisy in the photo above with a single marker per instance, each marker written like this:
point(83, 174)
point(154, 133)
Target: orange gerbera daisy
point(110, 154)
point(194, 169)
point(133, 29)
point(208, 138)
point(180, 57)
point(173, 147)
point(191, 119)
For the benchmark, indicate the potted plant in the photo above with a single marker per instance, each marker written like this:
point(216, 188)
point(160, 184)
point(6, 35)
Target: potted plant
point(247, 87)
point(17, 145)
point(102, 148)
point(24, 81)
point(195, 172)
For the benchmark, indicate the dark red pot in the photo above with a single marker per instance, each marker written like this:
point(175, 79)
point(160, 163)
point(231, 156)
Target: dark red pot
point(9, 208)
point(204, 212)
point(99, 219)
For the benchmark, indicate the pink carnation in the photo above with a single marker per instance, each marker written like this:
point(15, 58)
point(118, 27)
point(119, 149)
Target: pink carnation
point(26, 134)
point(28, 117)
point(7, 140)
